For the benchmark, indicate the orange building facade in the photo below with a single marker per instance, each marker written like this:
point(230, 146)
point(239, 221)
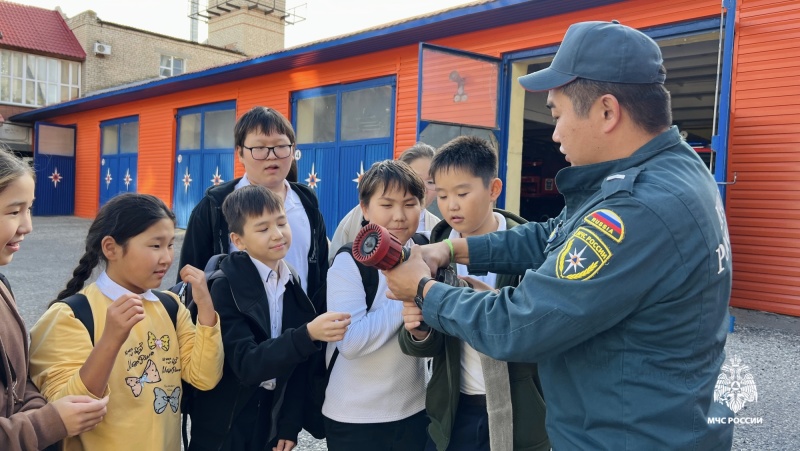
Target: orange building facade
point(741, 101)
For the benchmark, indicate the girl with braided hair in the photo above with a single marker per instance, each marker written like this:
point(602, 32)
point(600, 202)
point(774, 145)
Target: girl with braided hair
point(141, 342)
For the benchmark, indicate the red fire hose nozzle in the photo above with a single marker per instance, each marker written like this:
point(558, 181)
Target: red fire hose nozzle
point(375, 246)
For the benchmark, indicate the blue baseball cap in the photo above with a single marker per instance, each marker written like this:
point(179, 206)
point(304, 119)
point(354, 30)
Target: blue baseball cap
point(600, 51)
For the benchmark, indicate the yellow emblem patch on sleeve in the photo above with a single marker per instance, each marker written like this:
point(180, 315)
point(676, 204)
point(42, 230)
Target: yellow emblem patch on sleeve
point(607, 222)
point(582, 256)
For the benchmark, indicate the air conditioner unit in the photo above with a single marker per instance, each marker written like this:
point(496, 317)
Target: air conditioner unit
point(102, 49)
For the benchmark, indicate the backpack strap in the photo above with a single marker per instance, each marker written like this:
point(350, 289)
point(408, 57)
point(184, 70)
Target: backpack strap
point(213, 271)
point(214, 263)
point(295, 276)
point(79, 304)
point(171, 305)
point(420, 239)
point(369, 278)
point(516, 218)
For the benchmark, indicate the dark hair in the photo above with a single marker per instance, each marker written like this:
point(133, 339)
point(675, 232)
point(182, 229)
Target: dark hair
point(12, 168)
point(261, 119)
point(649, 105)
point(249, 202)
point(292, 175)
point(469, 153)
point(122, 218)
point(390, 174)
point(417, 151)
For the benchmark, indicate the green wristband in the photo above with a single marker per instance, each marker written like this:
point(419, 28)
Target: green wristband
point(452, 251)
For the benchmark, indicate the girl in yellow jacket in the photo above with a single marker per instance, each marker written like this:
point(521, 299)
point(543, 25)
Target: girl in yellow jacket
point(136, 355)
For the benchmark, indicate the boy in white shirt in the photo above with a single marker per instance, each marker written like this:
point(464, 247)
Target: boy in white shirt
point(375, 399)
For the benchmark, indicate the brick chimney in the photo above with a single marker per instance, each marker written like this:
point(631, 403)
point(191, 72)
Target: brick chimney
point(254, 27)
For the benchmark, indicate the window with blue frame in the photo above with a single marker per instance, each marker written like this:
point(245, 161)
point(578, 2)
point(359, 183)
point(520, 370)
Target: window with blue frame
point(119, 149)
point(204, 155)
point(459, 94)
point(341, 130)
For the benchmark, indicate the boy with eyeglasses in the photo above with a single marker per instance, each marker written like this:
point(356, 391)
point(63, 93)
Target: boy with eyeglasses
point(264, 141)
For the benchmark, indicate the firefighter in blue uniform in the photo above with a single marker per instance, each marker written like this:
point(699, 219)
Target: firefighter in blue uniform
point(624, 296)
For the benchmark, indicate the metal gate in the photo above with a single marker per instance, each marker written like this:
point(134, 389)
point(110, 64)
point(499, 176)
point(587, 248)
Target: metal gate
point(341, 130)
point(204, 155)
point(119, 159)
point(54, 163)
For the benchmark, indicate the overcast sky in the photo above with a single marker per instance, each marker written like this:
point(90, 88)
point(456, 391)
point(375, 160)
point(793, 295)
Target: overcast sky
point(324, 18)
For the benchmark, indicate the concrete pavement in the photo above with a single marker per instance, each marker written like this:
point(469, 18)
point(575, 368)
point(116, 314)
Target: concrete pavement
point(768, 344)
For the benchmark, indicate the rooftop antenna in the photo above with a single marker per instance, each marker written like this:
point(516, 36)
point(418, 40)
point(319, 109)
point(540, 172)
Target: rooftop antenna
point(194, 9)
point(217, 8)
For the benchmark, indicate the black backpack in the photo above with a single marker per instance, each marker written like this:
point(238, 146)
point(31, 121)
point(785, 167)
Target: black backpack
point(320, 373)
point(184, 292)
point(83, 311)
point(369, 277)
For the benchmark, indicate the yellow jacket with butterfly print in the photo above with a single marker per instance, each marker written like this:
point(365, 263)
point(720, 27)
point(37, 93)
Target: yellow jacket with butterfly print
point(145, 384)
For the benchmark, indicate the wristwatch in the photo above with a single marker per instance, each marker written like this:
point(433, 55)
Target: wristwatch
point(419, 299)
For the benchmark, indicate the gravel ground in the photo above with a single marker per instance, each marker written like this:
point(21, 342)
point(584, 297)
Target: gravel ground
point(765, 342)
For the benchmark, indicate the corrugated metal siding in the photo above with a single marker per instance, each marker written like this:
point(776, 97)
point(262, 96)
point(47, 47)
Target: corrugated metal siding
point(405, 131)
point(764, 150)
point(54, 198)
point(117, 167)
point(157, 128)
point(156, 115)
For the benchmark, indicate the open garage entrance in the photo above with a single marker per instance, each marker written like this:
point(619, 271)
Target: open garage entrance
point(533, 157)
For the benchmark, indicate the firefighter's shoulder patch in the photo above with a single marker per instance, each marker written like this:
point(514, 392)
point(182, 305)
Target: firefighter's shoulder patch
point(582, 255)
point(607, 222)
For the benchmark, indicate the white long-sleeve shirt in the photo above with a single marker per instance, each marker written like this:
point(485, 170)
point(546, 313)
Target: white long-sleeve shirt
point(275, 286)
point(372, 380)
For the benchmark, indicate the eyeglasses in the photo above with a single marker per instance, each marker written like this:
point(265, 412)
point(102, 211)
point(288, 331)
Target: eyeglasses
point(280, 151)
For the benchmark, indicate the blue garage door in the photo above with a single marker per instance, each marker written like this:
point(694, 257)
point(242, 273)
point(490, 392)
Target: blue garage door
point(119, 159)
point(54, 162)
point(341, 130)
point(205, 154)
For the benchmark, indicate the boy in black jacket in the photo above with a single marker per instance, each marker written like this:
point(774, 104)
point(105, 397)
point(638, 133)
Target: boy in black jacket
point(270, 328)
point(265, 142)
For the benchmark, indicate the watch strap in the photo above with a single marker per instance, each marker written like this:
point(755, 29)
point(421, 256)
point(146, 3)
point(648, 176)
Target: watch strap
point(421, 286)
